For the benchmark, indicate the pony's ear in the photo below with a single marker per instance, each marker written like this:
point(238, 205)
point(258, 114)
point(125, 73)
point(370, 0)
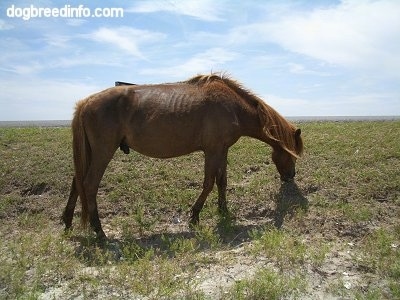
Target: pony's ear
point(299, 141)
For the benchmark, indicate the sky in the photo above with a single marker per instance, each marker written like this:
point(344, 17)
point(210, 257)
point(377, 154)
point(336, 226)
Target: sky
point(304, 58)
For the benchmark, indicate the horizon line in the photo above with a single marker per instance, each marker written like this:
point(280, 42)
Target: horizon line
point(342, 118)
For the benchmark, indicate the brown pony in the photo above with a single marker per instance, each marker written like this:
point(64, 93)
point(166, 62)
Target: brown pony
point(206, 113)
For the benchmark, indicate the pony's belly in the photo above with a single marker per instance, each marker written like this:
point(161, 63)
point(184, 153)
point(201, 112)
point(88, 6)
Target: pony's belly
point(160, 146)
point(164, 152)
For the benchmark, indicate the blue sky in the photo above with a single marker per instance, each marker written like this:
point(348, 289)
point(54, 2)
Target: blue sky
point(304, 58)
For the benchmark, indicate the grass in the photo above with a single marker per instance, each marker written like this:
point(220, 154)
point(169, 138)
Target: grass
point(341, 217)
point(380, 253)
point(266, 284)
point(287, 250)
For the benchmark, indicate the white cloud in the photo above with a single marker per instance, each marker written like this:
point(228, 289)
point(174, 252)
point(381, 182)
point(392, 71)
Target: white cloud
point(86, 59)
point(361, 34)
point(47, 100)
point(206, 10)
point(297, 68)
point(340, 105)
point(58, 41)
point(25, 69)
point(5, 26)
point(76, 22)
point(288, 106)
point(126, 38)
point(69, 50)
point(205, 62)
point(57, 52)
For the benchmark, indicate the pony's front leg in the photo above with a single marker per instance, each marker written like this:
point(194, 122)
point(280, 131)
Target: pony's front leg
point(214, 168)
point(197, 207)
point(222, 184)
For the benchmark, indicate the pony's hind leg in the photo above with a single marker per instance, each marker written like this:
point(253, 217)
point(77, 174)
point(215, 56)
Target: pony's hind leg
point(98, 165)
point(70, 207)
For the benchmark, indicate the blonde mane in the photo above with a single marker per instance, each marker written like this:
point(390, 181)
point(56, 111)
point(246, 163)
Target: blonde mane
point(276, 127)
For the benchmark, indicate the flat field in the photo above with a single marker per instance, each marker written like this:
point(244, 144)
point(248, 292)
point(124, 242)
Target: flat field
point(333, 234)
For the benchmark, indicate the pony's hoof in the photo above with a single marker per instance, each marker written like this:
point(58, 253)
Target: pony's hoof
point(101, 236)
point(223, 211)
point(193, 223)
point(65, 220)
point(67, 231)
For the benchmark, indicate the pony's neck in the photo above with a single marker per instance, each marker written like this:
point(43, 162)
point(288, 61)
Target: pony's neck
point(252, 127)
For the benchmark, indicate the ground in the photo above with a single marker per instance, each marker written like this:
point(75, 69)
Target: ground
point(334, 233)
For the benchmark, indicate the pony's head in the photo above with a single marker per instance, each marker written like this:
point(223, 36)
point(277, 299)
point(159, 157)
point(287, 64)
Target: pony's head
point(283, 136)
point(285, 159)
point(285, 140)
